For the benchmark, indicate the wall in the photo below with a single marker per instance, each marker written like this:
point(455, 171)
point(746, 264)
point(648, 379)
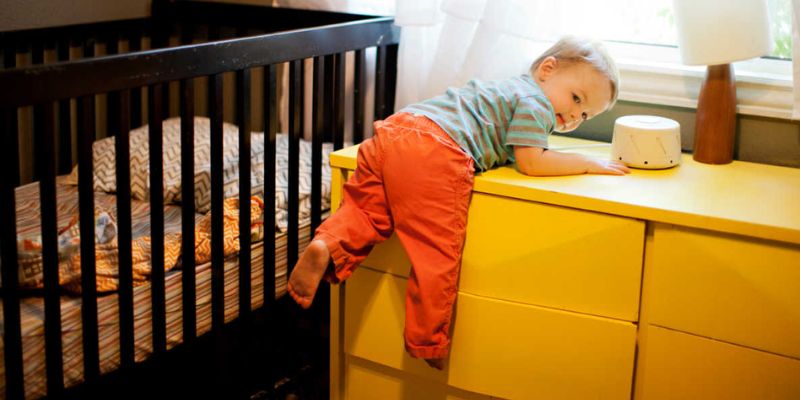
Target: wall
point(758, 139)
point(27, 14)
point(764, 140)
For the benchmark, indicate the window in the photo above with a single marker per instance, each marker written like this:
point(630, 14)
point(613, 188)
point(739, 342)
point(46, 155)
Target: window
point(780, 13)
point(645, 46)
point(652, 22)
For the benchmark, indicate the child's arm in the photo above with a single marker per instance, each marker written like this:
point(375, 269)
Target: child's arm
point(536, 161)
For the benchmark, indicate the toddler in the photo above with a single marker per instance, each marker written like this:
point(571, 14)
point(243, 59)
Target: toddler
point(414, 178)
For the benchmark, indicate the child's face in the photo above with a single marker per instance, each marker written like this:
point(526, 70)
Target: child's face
point(577, 92)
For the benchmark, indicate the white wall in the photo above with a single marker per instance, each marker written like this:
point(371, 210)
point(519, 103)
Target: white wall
point(27, 14)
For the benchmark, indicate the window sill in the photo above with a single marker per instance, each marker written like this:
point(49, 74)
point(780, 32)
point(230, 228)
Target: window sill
point(664, 83)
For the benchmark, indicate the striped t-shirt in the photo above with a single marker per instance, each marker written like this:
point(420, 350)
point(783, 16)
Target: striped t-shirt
point(488, 118)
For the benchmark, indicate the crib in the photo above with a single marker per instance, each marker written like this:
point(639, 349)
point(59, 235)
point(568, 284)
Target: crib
point(153, 92)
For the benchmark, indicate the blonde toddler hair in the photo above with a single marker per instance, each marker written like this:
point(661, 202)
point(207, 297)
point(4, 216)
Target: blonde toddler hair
point(571, 49)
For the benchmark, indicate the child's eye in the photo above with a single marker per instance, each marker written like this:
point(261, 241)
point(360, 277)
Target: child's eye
point(576, 99)
point(584, 116)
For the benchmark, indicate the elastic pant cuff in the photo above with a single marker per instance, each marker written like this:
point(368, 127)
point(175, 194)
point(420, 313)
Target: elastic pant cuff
point(338, 273)
point(438, 351)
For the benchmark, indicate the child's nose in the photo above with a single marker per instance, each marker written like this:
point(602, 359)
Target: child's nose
point(575, 118)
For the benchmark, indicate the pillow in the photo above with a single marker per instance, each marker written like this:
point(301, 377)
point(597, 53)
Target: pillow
point(104, 158)
point(304, 187)
point(103, 153)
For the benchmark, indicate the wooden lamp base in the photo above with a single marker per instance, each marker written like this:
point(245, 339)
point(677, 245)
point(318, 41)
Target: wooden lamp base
point(715, 126)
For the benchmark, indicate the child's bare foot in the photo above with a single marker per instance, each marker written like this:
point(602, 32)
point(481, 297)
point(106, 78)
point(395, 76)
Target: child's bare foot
point(308, 272)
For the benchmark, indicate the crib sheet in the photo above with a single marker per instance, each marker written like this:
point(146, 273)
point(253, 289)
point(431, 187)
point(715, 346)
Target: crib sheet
point(32, 307)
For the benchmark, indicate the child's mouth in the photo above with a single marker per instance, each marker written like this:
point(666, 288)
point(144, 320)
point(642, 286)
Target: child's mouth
point(560, 120)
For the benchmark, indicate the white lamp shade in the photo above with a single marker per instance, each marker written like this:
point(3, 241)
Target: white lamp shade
point(713, 32)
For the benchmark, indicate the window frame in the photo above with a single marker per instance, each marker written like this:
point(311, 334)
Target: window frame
point(653, 74)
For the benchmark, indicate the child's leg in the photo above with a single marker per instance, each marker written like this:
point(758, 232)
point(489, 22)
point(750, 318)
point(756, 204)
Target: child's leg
point(428, 181)
point(350, 233)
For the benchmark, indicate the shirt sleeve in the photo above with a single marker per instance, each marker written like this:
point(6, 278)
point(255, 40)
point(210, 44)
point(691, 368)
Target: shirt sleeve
point(531, 123)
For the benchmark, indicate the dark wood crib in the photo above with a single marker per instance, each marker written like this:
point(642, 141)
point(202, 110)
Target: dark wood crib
point(64, 88)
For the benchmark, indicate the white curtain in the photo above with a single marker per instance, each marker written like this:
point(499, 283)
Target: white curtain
point(367, 7)
point(448, 42)
point(796, 57)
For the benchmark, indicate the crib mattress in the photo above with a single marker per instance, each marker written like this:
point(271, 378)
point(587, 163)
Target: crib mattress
point(32, 307)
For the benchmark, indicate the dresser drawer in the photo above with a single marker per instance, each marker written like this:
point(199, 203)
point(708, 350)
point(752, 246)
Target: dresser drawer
point(675, 365)
point(368, 380)
point(727, 287)
point(543, 255)
point(553, 256)
point(500, 348)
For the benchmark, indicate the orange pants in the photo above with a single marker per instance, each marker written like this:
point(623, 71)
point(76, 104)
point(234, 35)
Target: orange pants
point(414, 180)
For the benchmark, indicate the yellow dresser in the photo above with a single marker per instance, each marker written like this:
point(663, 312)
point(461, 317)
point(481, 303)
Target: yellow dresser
point(680, 283)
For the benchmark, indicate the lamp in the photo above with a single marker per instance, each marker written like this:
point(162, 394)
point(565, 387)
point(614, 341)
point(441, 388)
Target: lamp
point(716, 33)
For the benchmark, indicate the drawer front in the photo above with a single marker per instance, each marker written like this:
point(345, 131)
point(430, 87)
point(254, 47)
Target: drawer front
point(368, 380)
point(553, 256)
point(390, 257)
point(499, 348)
point(374, 317)
point(727, 287)
point(675, 365)
point(543, 255)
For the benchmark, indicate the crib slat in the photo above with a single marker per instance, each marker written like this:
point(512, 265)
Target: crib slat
point(12, 125)
point(86, 130)
point(155, 93)
point(4, 41)
point(112, 99)
point(338, 100)
point(160, 39)
point(64, 120)
point(188, 266)
point(43, 131)
point(318, 107)
point(12, 338)
point(243, 121)
point(359, 92)
point(187, 211)
point(134, 45)
point(385, 76)
point(295, 130)
point(328, 114)
point(380, 82)
point(320, 309)
point(270, 131)
point(390, 79)
point(86, 136)
point(37, 57)
point(122, 150)
point(215, 108)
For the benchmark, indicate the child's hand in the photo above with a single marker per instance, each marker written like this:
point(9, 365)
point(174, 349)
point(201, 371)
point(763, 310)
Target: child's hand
point(606, 167)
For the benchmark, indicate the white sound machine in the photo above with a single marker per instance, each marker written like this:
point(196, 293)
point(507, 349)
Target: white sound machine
point(646, 141)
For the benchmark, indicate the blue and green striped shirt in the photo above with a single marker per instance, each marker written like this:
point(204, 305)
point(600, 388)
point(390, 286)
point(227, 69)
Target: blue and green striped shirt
point(488, 118)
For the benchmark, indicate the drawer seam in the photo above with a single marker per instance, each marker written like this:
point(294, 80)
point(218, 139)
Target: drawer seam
point(547, 307)
point(727, 342)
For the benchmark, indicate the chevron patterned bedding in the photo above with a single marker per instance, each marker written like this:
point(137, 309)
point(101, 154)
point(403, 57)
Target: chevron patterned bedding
point(105, 176)
point(32, 307)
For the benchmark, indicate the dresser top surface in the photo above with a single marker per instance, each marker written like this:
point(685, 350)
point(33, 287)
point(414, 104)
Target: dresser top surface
point(743, 198)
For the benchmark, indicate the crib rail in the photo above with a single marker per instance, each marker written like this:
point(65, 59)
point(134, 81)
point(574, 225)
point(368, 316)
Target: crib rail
point(49, 82)
point(125, 78)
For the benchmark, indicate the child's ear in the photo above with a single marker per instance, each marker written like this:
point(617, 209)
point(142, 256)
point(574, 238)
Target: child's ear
point(546, 68)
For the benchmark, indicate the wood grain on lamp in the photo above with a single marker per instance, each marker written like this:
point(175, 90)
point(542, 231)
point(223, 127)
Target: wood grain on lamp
point(715, 126)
